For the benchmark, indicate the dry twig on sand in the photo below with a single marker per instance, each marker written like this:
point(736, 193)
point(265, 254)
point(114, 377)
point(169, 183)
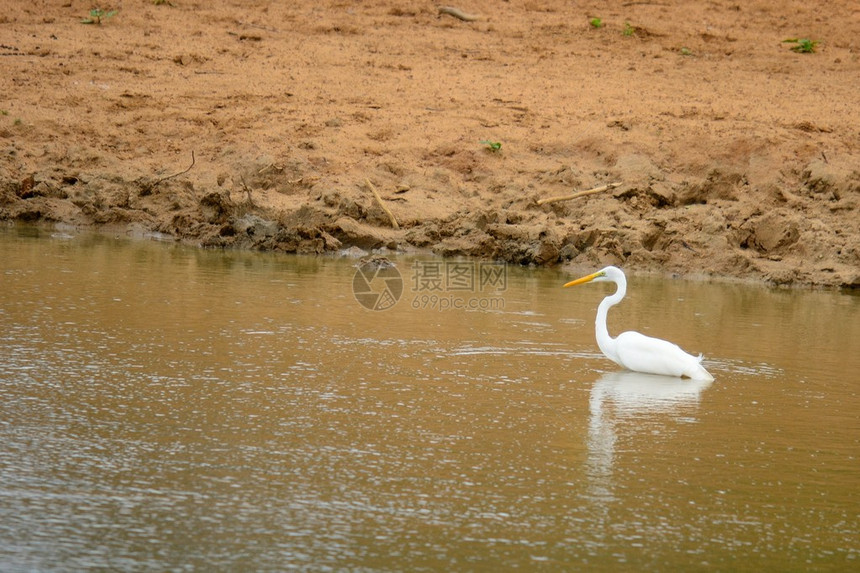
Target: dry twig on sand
point(146, 188)
point(381, 204)
point(457, 13)
point(247, 191)
point(600, 189)
point(163, 179)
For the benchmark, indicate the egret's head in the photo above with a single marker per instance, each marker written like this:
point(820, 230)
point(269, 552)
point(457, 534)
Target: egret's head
point(603, 275)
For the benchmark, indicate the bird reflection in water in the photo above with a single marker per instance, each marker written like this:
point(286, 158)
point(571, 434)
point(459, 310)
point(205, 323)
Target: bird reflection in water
point(618, 398)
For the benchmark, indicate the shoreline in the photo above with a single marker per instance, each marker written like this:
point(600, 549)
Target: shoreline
point(132, 233)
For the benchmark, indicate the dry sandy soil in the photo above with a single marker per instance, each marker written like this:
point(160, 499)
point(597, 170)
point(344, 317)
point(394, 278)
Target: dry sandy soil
point(736, 156)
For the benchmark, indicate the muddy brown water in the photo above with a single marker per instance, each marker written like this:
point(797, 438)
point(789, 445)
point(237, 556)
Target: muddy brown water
point(169, 408)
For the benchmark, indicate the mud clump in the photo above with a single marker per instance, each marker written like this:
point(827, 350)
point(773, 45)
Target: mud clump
point(216, 207)
point(525, 244)
point(718, 185)
point(771, 233)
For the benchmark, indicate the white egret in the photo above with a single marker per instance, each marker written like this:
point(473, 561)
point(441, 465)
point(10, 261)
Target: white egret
point(633, 350)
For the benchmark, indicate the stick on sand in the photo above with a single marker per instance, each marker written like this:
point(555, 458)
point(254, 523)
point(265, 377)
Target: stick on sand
point(381, 204)
point(459, 14)
point(600, 189)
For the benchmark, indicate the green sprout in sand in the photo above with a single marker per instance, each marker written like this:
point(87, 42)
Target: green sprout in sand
point(802, 45)
point(493, 146)
point(97, 15)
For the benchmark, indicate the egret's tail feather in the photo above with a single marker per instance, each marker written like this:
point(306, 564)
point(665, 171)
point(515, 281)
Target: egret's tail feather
point(699, 372)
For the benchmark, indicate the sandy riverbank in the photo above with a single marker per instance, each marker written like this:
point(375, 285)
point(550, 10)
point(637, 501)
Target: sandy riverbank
point(735, 155)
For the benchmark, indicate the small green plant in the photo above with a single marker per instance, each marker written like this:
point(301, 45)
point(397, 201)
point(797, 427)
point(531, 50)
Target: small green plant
point(596, 23)
point(97, 15)
point(629, 30)
point(686, 52)
point(802, 45)
point(493, 146)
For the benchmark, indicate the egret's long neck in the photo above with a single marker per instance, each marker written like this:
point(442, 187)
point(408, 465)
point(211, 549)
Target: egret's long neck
point(604, 341)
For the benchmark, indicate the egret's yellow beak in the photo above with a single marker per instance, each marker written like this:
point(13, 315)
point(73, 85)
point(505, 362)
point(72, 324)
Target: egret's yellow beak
point(583, 280)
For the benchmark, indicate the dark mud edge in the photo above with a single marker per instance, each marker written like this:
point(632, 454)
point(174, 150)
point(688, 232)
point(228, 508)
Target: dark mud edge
point(795, 244)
